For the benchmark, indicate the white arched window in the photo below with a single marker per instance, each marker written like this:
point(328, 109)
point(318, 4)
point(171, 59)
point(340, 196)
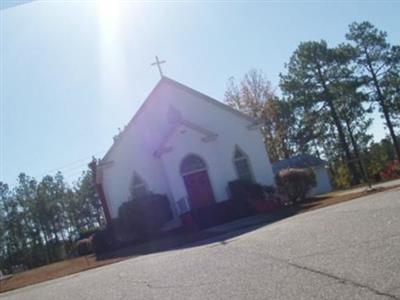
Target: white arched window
point(138, 186)
point(242, 165)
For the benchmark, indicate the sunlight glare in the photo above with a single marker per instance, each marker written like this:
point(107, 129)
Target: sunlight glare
point(112, 55)
point(109, 14)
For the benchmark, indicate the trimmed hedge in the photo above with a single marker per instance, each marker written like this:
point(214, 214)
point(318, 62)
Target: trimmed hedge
point(295, 183)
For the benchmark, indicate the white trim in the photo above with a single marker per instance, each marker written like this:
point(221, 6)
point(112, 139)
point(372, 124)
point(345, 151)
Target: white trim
point(158, 153)
point(181, 86)
point(198, 128)
point(209, 135)
point(209, 138)
point(100, 170)
point(211, 100)
point(193, 171)
point(105, 165)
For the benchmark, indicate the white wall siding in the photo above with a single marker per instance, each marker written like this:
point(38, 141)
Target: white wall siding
point(323, 181)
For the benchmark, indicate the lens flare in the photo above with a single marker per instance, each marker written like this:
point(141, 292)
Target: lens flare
point(112, 55)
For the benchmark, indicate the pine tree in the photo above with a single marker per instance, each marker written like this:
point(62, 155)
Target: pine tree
point(379, 67)
point(312, 74)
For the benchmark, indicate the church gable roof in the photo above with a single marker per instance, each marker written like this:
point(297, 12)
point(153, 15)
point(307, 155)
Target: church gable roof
point(165, 80)
point(208, 99)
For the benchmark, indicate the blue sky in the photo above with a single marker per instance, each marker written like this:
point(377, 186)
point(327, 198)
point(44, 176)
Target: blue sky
point(72, 72)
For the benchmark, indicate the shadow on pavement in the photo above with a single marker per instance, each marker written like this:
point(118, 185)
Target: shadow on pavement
point(180, 239)
point(220, 233)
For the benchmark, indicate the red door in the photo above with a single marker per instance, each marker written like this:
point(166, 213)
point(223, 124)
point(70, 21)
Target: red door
point(199, 189)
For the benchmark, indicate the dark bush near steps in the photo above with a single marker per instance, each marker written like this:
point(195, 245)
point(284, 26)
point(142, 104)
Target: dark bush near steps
point(242, 191)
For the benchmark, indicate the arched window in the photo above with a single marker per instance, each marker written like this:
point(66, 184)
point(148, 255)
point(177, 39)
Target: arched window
point(242, 165)
point(191, 164)
point(138, 186)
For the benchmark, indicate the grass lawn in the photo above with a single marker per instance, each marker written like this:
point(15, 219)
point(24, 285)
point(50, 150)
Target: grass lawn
point(79, 264)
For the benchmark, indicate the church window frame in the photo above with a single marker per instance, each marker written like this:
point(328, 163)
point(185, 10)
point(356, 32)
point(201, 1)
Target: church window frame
point(242, 165)
point(138, 187)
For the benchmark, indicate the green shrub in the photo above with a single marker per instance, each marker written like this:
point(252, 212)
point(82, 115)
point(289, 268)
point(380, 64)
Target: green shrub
point(145, 216)
point(248, 196)
point(295, 183)
point(342, 177)
point(84, 247)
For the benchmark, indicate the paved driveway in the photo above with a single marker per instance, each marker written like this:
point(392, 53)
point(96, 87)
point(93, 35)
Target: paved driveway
point(347, 251)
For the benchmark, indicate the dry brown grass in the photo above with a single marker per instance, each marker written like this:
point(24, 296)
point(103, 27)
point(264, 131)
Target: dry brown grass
point(79, 264)
point(53, 271)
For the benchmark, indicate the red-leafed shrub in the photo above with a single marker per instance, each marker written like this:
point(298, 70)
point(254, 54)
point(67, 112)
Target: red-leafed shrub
point(391, 171)
point(295, 183)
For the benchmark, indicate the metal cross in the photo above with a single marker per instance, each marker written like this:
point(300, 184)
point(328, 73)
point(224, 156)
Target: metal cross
point(158, 63)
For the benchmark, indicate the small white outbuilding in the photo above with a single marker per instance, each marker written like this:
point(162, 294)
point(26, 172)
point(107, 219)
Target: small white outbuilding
point(306, 161)
point(185, 145)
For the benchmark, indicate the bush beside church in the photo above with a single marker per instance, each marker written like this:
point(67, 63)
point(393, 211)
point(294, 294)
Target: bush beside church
point(138, 219)
point(295, 184)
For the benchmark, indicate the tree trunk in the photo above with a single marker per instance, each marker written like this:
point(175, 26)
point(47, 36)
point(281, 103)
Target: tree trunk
point(357, 153)
point(382, 103)
point(46, 242)
point(342, 139)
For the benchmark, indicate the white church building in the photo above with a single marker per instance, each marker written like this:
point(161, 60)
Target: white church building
point(185, 145)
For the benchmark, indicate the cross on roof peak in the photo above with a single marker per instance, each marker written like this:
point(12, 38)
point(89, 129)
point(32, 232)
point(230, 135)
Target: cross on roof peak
point(158, 63)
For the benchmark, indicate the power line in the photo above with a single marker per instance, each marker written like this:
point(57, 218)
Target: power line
point(73, 175)
point(69, 165)
point(69, 170)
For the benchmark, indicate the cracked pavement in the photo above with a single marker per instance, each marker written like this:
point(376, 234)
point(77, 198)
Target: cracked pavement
point(347, 251)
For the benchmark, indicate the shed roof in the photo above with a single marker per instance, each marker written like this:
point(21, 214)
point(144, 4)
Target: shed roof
point(300, 161)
